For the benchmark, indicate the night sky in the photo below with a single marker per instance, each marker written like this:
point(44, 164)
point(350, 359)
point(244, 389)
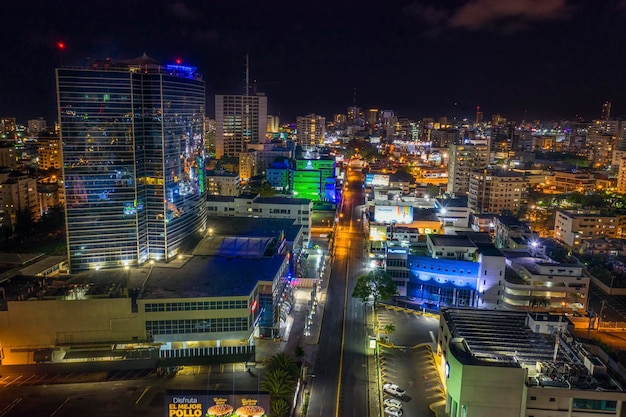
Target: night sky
point(548, 59)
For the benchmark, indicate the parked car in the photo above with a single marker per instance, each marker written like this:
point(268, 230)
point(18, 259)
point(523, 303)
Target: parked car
point(393, 411)
point(393, 389)
point(392, 402)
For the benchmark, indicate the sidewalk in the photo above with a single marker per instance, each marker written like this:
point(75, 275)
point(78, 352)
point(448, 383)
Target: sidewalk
point(294, 332)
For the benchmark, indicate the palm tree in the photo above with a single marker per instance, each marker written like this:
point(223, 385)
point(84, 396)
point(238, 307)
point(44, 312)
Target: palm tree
point(279, 383)
point(283, 362)
point(279, 408)
point(299, 352)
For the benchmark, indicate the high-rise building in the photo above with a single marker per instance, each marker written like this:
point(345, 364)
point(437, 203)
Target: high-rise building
point(133, 160)
point(463, 159)
point(241, 120)
point(311, 129)
point(479, 115)
point(36, 126)
point(273, 124)
point(49, 152)
point(606, 111)
point(492, 191)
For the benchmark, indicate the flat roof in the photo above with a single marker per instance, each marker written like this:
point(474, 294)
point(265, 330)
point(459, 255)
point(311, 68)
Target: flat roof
point(211, 276)
point(221, 198)
point(252, 227)
point(502, 338)
point(451, 240)
point(282, 200)
point(497, 337)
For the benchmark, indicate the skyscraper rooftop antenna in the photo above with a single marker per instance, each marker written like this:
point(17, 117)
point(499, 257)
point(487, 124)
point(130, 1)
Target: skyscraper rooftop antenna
point(354, 97)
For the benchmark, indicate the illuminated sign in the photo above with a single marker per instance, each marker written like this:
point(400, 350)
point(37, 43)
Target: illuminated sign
point(380, 180)
point(398, 214)
point(378, 232)
point(397, 251)
point(196, 403)
point(184, 407)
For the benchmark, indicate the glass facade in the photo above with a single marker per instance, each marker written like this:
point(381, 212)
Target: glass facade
point(133, 162)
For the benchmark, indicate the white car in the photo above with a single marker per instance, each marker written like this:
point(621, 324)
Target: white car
point(393, 389)
point(392, 402)
point(393, 411)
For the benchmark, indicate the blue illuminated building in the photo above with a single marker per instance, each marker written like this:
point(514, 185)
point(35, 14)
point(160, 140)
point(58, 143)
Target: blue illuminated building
point(133, 160)
point(458, 270)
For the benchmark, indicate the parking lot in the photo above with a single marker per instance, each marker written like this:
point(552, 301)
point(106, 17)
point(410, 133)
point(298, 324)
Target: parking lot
point(408, 361)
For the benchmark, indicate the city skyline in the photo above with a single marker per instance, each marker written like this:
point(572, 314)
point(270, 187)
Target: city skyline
point(552, 59)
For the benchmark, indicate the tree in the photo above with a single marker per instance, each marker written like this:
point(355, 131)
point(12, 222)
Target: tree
point(282, 361)
point(299, 352)
point(266, 190)
point(279, 383)
point(279, 408)
point(377, 284)
point(389, 328)
point(24, 222)
point(432, 190)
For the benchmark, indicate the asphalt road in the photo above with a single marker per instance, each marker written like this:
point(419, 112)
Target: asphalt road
point(341, 355)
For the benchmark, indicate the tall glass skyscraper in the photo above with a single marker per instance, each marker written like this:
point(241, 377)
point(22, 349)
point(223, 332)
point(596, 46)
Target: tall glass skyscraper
point(133, 161)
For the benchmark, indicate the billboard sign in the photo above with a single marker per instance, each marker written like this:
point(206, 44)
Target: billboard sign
point(397, 214)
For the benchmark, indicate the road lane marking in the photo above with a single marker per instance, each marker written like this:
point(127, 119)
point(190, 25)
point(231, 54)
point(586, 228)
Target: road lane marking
point(432, 336)
point(59, 407)
point(10, 406)
point(15, 380)
point(343, 332)
point(142, 394)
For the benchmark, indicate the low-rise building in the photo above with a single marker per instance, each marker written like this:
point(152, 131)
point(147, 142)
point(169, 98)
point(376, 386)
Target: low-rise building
point(223, 183)
point(232, 289)
point(511, 364)
point(572, 227)
point(251, 205)
point(538, 282)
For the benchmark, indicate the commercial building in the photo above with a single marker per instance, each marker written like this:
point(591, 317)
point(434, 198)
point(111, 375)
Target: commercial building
point(133, 157)
point(252, 205)
point(241, 120)
point(511, 364)
point(315, 179)
point(232, 289)
point(535, 281)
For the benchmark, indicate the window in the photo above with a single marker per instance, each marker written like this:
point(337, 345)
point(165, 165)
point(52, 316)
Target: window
point(533, 398)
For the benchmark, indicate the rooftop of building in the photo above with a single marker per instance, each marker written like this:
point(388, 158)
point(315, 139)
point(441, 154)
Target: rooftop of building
point(221, 174)
point(252, 227)
point(451, 240)
point(504, 339)
point(220, 198)
point(511, 221)
point(211, 276)
point(452, 202)
point(488, 249)
point(282, 200)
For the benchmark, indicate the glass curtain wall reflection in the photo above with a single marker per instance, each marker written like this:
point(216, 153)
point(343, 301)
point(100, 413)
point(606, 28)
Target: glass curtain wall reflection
point(133, 160)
